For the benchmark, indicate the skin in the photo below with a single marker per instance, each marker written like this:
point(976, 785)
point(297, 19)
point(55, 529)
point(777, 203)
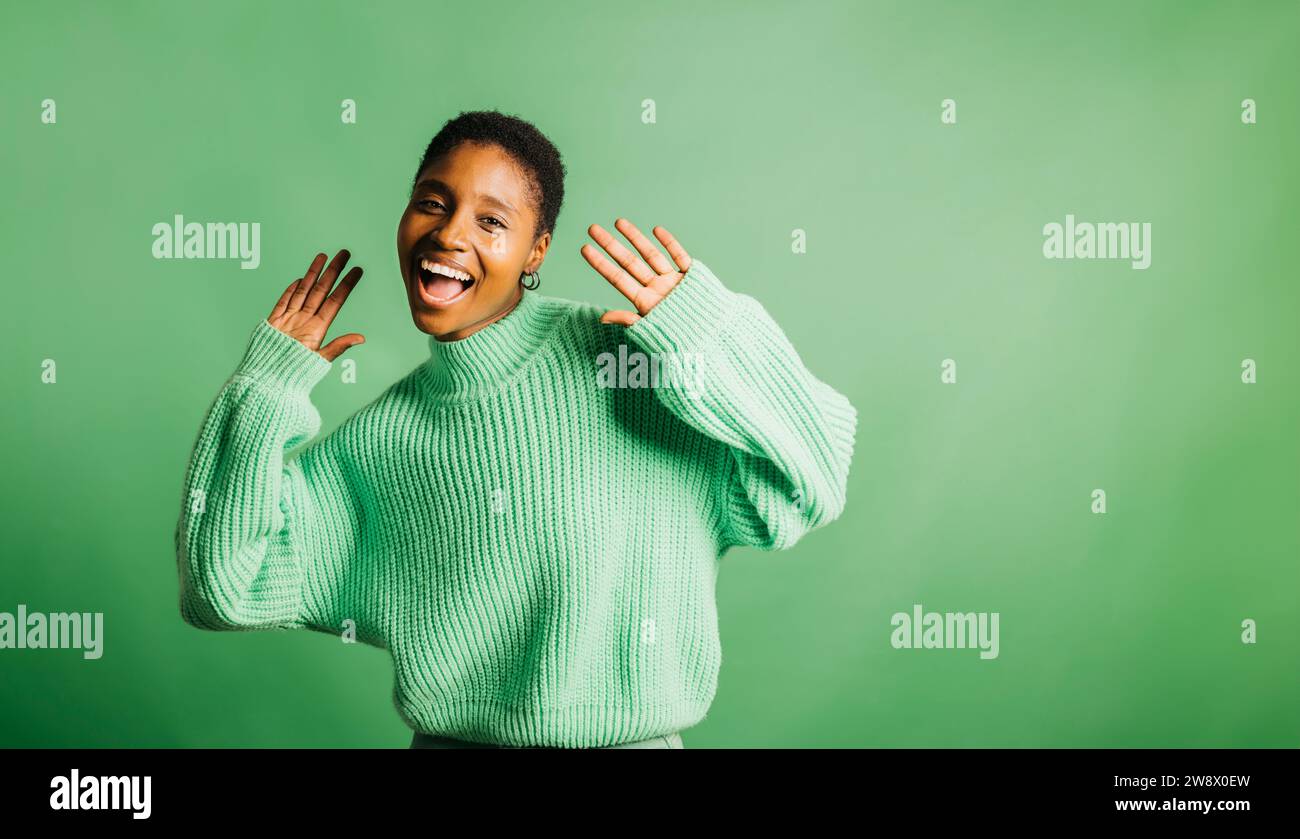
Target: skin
point(450, 214)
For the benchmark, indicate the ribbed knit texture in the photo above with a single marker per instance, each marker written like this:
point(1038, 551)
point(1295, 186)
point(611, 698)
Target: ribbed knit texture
point(537, 552)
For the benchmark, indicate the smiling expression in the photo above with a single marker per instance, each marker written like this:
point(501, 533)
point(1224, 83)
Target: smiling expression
point(466, 238)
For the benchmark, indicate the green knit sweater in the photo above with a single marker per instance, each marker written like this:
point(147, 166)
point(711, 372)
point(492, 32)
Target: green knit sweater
point(531, 521)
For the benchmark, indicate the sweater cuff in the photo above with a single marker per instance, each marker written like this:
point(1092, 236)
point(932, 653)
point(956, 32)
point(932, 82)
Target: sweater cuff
point(688, 318)
point(283, 362)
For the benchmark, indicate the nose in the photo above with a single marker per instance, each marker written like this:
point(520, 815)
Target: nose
point(448, 236)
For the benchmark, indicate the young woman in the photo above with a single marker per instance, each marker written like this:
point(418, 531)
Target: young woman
point(532, 520)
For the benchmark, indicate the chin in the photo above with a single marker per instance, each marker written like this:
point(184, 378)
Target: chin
point(437, 319)
point(436, 323)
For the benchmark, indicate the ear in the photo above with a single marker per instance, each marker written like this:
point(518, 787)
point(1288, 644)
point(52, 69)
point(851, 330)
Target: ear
point(538, 253)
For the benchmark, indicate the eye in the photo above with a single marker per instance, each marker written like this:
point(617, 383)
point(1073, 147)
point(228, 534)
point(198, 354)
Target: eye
point(493, 219)
point(427, 201)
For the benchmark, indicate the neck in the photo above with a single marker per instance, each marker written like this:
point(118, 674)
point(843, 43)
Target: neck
point(492, 353)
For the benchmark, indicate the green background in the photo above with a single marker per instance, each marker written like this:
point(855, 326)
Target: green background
point(924, 243)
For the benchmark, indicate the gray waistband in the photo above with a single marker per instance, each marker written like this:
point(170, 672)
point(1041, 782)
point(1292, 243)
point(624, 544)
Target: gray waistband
point(431, 741)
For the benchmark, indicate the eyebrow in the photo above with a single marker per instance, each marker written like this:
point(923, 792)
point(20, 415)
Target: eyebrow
point(434, 183)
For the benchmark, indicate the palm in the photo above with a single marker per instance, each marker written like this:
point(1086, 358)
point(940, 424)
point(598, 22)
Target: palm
point(306, 309)
point(310, 329)
point(641, 283)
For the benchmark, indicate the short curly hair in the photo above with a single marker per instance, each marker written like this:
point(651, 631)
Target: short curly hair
point(522, 141)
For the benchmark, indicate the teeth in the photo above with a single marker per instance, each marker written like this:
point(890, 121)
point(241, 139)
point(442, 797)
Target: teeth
point(439, 268)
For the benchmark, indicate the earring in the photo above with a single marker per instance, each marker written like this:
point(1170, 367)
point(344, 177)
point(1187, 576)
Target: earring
point(535, 278)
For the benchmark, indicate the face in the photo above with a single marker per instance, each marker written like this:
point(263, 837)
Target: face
point(465, 240)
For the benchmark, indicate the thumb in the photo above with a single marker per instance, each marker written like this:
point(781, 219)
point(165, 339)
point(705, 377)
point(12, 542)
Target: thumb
point(620, 316)
point(336, 348)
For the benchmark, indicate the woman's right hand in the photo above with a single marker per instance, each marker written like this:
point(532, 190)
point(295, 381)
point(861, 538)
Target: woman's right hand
point(304, 312)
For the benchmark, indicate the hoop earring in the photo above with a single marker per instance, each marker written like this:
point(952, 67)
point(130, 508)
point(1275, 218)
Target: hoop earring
point(535, 278)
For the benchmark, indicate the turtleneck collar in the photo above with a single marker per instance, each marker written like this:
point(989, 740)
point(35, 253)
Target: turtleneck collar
point(491, 357)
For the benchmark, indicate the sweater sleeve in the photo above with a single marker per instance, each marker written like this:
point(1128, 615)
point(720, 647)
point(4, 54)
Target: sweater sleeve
point(247, 513)
point(733, 375)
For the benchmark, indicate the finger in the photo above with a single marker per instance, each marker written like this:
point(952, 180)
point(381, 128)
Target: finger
point(617, 277)
point(622, 255)
point(335, 301)
point(648, 250)
point(335, 348)
point(304, 285)
point(675, 249)
point(282, 304)
point(326, 282)
point(620, 316)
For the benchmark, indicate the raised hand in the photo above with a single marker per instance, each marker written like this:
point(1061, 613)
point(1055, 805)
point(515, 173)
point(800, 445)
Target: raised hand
point(304, 312)
point(644, 285)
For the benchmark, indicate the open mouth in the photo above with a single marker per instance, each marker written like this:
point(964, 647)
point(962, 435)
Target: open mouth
point(441, 284)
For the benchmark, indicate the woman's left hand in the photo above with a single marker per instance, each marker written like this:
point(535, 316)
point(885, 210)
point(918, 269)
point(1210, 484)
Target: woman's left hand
point(645, 285)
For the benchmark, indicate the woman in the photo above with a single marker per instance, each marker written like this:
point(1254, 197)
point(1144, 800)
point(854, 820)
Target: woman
point(531, 521)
